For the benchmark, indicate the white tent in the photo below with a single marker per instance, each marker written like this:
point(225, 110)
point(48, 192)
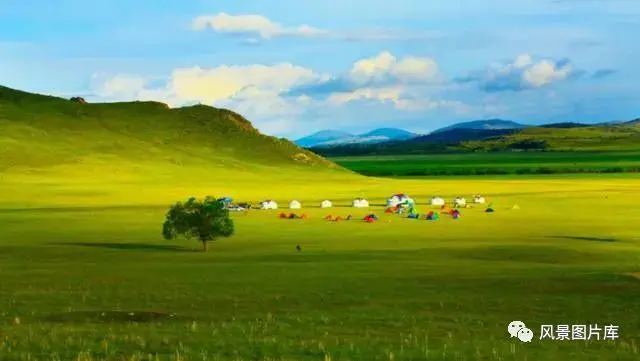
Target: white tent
point(478, 199)
point(295, 205)
point(399, 199)
point(360, 203)
point(326, 204)
point(460, 202)
point(437, 201)
point(268, 204)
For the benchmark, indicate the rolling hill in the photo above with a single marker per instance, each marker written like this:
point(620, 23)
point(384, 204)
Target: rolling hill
point(621, 136)
point(485, 124)
point(43, 133)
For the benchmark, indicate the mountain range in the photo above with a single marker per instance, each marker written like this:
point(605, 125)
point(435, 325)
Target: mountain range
point(329, 138)
point(333, 138)
point(501, 135)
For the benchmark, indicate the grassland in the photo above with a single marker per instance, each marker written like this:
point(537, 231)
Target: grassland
point(85, 275)
point(498, 163)
point(74, 270)
point(605, 138)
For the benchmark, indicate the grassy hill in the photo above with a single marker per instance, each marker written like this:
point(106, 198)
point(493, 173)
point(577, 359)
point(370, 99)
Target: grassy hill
point(140, 149)
point(41, 131)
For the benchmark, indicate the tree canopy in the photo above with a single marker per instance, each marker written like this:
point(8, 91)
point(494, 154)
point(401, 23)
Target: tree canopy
point(205, 220)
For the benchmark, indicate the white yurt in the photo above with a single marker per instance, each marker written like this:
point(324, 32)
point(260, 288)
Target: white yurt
point(268, 204)
point(437, 201)
point(326, 204)
point(478, 199)
point(295, 205)
point(360, 203)
point(460, 202)
point(397, 199)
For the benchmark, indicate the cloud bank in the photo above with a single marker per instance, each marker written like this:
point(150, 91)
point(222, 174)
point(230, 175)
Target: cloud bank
point(282, 97)
point(521, 74)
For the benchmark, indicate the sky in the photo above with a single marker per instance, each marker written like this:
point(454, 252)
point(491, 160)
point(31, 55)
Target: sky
point(296, 67)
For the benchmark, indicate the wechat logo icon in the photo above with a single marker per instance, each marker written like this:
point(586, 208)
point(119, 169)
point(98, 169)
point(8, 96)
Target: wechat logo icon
point(519, 329)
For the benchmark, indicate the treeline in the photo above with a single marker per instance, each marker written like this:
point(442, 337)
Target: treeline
point(497, 171)
point(418, 148)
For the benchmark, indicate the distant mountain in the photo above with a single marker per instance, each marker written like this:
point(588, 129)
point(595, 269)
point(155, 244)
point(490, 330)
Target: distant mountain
point(461, 134)
point(332, 138)
point(487, 124)
point(390, 133)
point(323, 136)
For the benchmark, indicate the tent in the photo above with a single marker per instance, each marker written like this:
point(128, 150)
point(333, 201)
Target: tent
point(398, 199)
point(326, 204)
point(295, 205)
point(268, 204)
point(432, 216)
point(478, 199)
point(437, 201)
point(460, 202)
point(226, 201)
point(515, 207)
point(370, 218)
point(360, 203)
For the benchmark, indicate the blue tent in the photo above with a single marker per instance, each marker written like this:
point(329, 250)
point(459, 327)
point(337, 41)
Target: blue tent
point(226, 201)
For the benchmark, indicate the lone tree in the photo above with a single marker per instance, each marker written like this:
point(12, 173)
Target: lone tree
point(205, 220)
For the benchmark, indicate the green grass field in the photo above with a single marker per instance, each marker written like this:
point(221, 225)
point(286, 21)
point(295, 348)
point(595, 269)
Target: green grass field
point(499, 163)
point(86, 276)
point(91, 278)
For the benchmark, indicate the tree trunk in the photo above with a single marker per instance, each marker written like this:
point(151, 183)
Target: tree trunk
point(204, 246)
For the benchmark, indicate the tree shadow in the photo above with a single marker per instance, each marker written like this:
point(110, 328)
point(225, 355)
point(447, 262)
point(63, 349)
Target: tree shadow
point(591, 239)
point(129, 246)
point(112, 317)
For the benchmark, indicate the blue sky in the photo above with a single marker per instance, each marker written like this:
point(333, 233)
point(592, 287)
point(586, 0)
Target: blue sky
point(294, 67)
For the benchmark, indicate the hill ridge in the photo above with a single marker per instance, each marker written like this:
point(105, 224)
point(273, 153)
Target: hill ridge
point(44, 131)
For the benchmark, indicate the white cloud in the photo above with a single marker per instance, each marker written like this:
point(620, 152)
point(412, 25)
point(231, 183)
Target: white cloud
point(257, 25)
point(118, 86)
point(400, 97)
point(255, 91)
point(521, 74)
point(223, 82)
point(385, 66)
point(379, 94)
point(545, 72)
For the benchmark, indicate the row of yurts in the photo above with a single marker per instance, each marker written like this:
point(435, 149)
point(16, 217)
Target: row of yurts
point(394, 201)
